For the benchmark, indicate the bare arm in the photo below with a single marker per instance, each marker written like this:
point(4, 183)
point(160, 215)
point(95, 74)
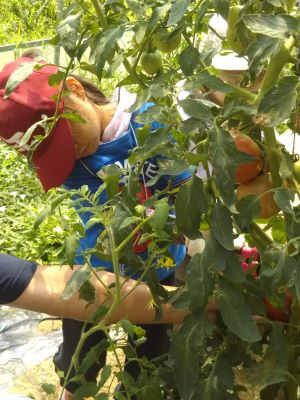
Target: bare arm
point(43, 294)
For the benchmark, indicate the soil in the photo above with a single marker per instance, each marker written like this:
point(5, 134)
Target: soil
point(32, 381)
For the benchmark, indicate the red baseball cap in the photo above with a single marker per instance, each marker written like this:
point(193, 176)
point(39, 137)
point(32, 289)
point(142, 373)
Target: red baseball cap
point(54, 157)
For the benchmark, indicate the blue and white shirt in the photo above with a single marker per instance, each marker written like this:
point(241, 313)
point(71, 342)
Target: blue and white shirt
point(86, 172)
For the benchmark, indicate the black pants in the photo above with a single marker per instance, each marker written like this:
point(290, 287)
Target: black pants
point(157, 343)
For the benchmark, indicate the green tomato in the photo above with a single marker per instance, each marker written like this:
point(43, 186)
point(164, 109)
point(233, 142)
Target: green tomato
point(297, 170)
point(233, 37)
point(151, 62)
point(163, 42)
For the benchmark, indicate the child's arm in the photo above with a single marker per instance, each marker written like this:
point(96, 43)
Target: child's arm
point(39, 288)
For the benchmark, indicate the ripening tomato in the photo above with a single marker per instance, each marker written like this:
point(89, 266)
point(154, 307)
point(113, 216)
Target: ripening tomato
point(258, 186)
point(279, 314)
point(151, 62)
point(248, 171)
point(297, 170)
point(163, 42)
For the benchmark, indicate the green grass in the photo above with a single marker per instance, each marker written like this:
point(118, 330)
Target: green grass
point(24, 20)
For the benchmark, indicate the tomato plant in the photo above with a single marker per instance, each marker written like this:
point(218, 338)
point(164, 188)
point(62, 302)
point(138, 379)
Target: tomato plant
point(205, 354)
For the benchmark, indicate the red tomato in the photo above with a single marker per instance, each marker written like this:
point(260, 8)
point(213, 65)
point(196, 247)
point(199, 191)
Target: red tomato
point(279, 314)
point(246, 172)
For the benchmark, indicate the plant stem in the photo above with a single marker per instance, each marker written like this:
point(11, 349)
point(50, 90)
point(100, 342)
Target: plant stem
point(261, 239)
point(132, 233)
point(276, 64)
point(242, 92)
point(104, 24)
point(274, 155)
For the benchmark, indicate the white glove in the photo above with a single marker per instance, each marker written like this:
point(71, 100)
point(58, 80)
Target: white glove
point(195, 246)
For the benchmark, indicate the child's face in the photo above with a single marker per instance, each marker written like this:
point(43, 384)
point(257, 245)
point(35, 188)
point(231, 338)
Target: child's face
point(86, 135)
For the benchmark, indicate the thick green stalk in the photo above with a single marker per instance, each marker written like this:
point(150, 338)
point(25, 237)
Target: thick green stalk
point(104, 24)
point(245, 93)
point(260, 238)
point(274, 155)
point(132, 233)
point(275, 67)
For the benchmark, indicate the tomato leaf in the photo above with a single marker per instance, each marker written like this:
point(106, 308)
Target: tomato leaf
point(70, 245)
point(18, 76)
point(104, 47)
point(177, 11)
point(240, 321)
point(191, 203)
point(262, 49)
point(187, 341)
point(196, 109)
point(283, 198)
point(78, 278)
point(279, 26)
point(200, 282)
point(189, 60)
point(279, 101)
point(161, 214)
point(68, 32)
point(221, 226)
point(249, 208)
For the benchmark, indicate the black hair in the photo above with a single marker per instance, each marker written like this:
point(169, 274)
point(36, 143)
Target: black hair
point(92, 92)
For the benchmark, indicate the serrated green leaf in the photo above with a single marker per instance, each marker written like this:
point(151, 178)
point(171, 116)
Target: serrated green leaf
point(240, 322)
point(196, 109)
point(71, 245)
point(186, 343)
point(105, 374)
point(129, 221)
point(249, 208)
point(42, 216)
point(55, 79)
point(279, 26)
point(263, 374)
point(49, 388)
point(221, 226)
point(284, 198)
point(200, 282)
point(279, 101)
point(189, 60)
point(177, 11)
point(73, 116)
point(161, 215)
point(127, 327)
point(262, 49)
point(18, 76)
point(191, 202)
point(87, 292)
point(212, 82)
point(68, 31)
point(78, 278)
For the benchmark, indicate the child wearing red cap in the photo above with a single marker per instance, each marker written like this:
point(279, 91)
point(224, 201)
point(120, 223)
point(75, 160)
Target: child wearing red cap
point(72, 154)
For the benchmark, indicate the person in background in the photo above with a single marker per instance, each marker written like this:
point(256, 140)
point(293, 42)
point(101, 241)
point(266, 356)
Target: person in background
point(72, 155)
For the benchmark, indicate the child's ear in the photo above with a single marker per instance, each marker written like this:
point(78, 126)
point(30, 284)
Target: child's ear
point(75, 87)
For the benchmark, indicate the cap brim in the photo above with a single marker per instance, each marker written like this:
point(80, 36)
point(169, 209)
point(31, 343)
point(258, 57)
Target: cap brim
point(229, 62)
point(54, 160)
